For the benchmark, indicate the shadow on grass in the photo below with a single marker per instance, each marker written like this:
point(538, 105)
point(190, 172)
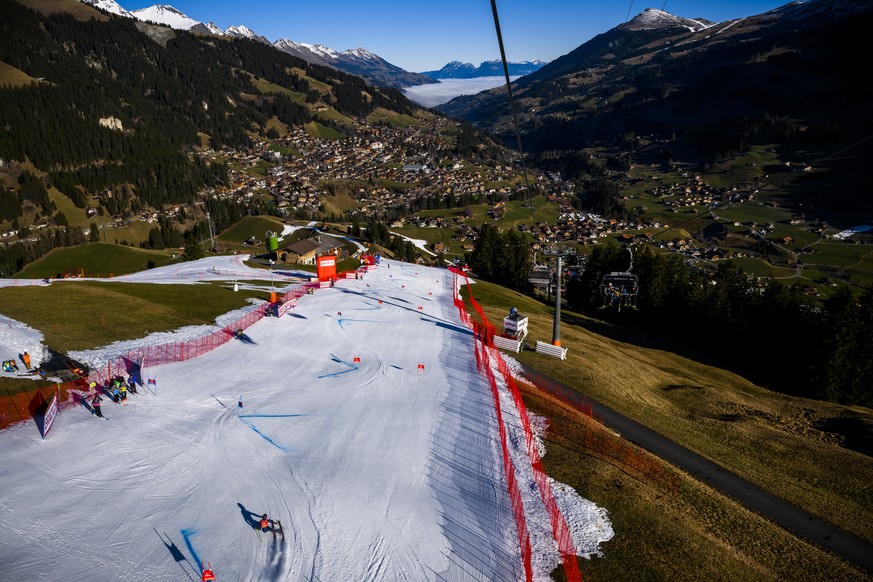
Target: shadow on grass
point(857, 433)
point(647, 340)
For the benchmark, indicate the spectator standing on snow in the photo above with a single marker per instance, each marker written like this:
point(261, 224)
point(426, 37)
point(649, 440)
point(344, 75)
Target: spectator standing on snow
point(131, 384)
point(96, 404)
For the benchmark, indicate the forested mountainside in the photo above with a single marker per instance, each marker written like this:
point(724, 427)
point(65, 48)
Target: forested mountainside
point(159, 93)
point(788, 77)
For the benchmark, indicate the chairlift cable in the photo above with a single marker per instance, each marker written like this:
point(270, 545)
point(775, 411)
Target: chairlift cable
point(511, 98)
point(626, 18)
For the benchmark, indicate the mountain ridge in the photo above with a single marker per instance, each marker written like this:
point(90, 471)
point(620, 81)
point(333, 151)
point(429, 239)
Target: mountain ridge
point(653, 74)
point(357, 61)
point(459, 70)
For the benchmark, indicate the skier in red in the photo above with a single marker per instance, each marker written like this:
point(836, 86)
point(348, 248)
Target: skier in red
point(265, 524)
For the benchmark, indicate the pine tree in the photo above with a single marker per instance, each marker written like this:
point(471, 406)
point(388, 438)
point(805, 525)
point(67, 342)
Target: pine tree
point(193, 250)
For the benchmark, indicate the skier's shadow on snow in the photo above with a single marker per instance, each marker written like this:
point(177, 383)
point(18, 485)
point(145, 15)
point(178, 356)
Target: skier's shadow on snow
point(133, 369)
point(83, 401)
point(239, 335)
point(253, 519)
point(177, 554)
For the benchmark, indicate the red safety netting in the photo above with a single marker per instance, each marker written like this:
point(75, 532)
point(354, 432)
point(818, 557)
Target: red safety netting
point(508, 467)
point(484, 334)
point(604, 443)
point(23, 405)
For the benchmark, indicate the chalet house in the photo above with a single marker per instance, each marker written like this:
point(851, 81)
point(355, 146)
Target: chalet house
point(304, 252)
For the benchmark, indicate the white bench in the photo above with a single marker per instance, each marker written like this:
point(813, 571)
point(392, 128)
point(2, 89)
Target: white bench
point(550, 350)
point(505, 343)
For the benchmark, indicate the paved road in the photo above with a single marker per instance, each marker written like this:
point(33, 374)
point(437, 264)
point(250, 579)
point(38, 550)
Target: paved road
point(790, 517)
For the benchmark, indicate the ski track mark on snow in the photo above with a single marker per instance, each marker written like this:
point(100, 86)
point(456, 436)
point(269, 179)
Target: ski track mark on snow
point(252, 426)
point(270, 415)
point(351, 366)
point(343, 320)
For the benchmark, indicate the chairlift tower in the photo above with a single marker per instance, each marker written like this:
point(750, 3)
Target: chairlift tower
point(559, 251)
point(211, 236)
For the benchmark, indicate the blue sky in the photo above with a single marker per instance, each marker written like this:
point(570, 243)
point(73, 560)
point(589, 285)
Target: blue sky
point(419, 36)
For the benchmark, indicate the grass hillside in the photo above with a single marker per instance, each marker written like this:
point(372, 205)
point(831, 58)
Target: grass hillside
point(798, 449)
point(75, 216)
point(78, 10)
point(96, 259)
point(13, 77)
point(250, 227)
point(81, 315)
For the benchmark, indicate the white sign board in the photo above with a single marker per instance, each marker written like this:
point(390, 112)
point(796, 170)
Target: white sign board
point(50, 414)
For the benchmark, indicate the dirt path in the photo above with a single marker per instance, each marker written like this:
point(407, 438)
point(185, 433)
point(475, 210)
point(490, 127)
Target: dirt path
point(788, 516)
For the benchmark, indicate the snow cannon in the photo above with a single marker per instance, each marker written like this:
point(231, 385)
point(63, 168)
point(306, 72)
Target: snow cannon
point(515, 325)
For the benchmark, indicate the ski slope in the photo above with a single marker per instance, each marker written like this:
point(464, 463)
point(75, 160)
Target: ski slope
point(365, 428)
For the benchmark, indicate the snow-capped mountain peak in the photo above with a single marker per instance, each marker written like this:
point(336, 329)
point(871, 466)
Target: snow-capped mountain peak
point(305, 50)
point(653, 19)
point(360, 53)
point(320, 50)
point(213, 29)
point(285, 44)
point(240, 31)
point(164, 14)
point(110, 6)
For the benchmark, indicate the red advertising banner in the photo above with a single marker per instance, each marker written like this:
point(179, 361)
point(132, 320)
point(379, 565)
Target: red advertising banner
point(326, 269)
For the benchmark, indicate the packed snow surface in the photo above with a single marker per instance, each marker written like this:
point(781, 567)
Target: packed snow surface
point(364, 427)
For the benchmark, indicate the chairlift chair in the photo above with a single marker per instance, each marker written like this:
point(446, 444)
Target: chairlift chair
point(618, 289)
